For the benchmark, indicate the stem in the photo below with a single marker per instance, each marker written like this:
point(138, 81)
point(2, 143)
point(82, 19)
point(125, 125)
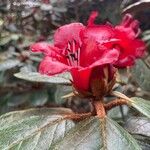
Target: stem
point(116, 102)
point(99, 108)
point(78, 117)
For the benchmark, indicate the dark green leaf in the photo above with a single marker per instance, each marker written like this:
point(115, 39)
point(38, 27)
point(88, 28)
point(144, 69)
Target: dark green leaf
point(143, 141)
point(63, 78)
point(46, 129)
point(18, 99)
point(8, 64)
point(146, 35)
point(116, 112)
point(141, 74)
point(39, 98)
point(87, 135)
point(141, 105)
point(5, 40)
point(35, 128)
point(137, 6)
point(139, 127)
point(61, 91)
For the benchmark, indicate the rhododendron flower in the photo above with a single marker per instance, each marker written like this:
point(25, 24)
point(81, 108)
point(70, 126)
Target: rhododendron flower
point(89, 52)
point(130, 46)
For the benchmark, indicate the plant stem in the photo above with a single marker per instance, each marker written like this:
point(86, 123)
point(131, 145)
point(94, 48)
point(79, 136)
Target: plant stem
point(114, 103)
point(78, 117)
point(99, 109)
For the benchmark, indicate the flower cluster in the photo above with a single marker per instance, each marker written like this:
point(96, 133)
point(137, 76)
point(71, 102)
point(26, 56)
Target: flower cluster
point(91, 53)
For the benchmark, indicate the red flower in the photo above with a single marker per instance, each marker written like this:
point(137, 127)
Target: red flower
point(88, 52)
point(130, 46)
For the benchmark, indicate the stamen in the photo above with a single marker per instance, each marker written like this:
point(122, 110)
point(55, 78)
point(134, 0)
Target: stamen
point(73, 54)
point(69, 46)
point(78, 56)
point(74, 46)
point(68, 50)
point(70, 60)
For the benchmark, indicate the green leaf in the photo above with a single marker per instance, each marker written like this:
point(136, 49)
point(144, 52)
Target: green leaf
point(63, 78)
point(138, 125)
point(143, 141)
point(95, 134)
point(146, 35)
point(8, 64)
point(18, 99)
point(5, 40)
point(141, 105)
point(61, 91)
point(137, 6)
point(141, 74)
point(115, 113)
point(33, 129)
point(39, 98)
point(46, 129)
point(7, 37)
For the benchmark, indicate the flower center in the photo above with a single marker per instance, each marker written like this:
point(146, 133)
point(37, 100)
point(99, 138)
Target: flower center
point(73, 53)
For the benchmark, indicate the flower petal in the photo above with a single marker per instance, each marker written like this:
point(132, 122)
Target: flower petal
point(109, 56)
point(96, 53)
point(92, 17)
point(98, 33)
point(45, 48)
point(130, 46)
point(48, 50)
point(81, 78)
point(129, 26)
point(67, 33)
point(129, 51)
point(50, 66)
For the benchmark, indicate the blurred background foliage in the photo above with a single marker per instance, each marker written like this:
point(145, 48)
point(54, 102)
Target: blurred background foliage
point(23, 22)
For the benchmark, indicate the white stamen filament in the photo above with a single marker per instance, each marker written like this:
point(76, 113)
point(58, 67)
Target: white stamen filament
point(78, 56)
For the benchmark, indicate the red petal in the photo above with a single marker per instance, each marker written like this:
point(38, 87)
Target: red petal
point(81, 78)
point(127, 20)
point(92, 17)
point(130, 47)
point(130, 50)
point(139, 47)
point(67, 33)
point(98, 33)
point(124, 62)
point(91, 38)
point(48, 50)
point(50, 66)
point(130, 26)
point(45, 48)
point(97, 54)
point(109, 56)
